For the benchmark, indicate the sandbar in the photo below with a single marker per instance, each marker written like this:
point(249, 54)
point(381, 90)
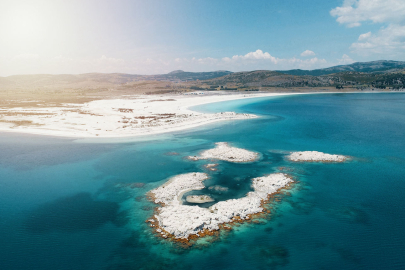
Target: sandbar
point(223, 151)
point(124, 116)
point(315, 156)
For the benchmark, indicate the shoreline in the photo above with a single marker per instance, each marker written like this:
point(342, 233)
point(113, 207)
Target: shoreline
point(227, 226)
point(75, 121)
point(183, 224)
point(170, 113)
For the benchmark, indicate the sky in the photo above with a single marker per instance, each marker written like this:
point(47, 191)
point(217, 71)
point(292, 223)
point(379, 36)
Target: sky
point(156, 37)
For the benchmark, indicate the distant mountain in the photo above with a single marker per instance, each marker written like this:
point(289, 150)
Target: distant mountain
point(382, 73)
point(69, 80)
point(192, 76)
point(176, 72)
point(107, 79)
point(373, 66)
point(97, 80)
point(264, 78)
point(376, 74)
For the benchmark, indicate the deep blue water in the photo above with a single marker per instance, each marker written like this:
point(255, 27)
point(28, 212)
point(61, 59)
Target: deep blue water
point(68, 204)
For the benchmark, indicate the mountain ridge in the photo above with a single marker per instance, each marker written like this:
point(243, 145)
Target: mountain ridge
point(381, 73)
point(371, 66)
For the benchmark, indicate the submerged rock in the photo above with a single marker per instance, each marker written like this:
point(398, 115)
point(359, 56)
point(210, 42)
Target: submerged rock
point(199, 199)
point(211, 166)
point(218, 188)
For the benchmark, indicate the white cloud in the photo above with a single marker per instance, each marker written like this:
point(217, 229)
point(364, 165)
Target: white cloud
point(206, 61)
point(345, 60)
point(354, 12)
point(254, 60)
point(307, 53)
point(389, 41)
point(257, 55)
point(251, 56)
point(250, 61)
point(365, 36)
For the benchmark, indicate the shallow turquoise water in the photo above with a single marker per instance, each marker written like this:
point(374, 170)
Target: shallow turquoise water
point(66, 204)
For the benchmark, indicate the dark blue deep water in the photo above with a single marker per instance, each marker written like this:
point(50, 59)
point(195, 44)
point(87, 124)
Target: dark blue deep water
point(73, 204)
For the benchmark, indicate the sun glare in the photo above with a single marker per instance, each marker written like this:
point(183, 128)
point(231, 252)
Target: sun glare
point(25, 25)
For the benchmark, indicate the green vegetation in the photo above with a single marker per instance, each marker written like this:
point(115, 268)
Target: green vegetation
point(388, 75)
point(389, 79)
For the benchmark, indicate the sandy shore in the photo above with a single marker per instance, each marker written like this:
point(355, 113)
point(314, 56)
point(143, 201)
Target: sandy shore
point(124, 117)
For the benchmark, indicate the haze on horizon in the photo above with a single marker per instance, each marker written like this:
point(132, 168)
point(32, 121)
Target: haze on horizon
point(152, 37)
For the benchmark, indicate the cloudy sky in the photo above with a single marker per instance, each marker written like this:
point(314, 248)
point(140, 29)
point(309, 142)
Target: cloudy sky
point(158, 36)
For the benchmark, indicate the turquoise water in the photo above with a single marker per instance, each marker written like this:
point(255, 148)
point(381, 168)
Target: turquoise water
point(69, 204)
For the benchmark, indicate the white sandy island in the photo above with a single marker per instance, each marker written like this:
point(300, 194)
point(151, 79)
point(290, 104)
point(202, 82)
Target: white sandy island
point(315, 156)
point(126, 116)
point(182, 221)
point(223, 151)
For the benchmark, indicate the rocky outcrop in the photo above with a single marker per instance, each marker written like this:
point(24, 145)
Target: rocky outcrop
point(314, 156)
point(223, 151)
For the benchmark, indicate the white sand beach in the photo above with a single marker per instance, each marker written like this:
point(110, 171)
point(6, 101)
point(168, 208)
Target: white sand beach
point(120, 117)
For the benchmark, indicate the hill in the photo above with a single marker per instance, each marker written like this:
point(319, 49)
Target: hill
point(373, 66)
point(376, 74)
point(97, 80)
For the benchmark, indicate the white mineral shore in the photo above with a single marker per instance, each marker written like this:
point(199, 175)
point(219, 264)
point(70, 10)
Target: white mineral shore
point(199, 199)
point(314, 156)
point(173, 190)
point(124, 117)
point(223, 151)
point(182, 221)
